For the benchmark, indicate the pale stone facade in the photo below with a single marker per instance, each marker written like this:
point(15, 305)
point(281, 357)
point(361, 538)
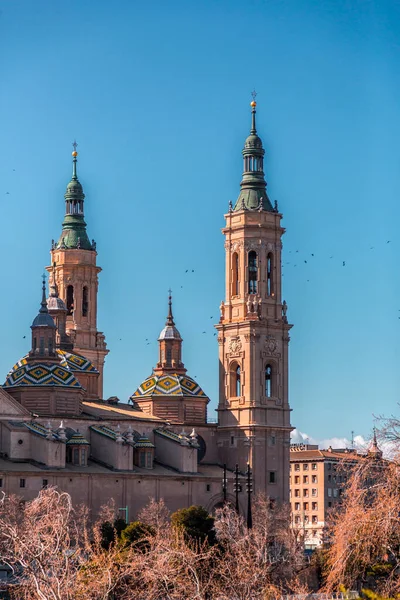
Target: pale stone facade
point(56, 429)
point(317, 479)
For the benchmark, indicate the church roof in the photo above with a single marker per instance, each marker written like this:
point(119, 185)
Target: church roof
point(41, 374)
point(76, 362)
point(70, 361)
point(169, 385)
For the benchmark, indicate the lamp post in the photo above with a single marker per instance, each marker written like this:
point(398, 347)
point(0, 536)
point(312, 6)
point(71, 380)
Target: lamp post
point(249, 489)
point(236, 487)
point(224, 485)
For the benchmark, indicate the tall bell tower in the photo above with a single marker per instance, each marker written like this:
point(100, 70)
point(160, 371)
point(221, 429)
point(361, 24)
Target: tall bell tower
point(253, 334)
point(74, 273)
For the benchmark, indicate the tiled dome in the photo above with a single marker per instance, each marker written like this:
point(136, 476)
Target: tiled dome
point(25, 373)
point(41, 374)
point(168, 385)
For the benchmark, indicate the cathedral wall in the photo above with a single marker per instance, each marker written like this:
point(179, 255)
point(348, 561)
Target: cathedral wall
point(47, 452)
point(108, 451)
point(173, 454)
point(17, 444)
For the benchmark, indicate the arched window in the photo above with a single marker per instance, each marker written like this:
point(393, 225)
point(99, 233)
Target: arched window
point(268, 381)
point(235, 384)
point(253, 272)
point(238, 386)
point(169, 356)
point(70, 299)
point(270, 275)
point(85, 302)
point(235, 274)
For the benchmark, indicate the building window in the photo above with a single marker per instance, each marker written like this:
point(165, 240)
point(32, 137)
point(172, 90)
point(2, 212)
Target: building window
point(208, 487)
point(238, 387)
point(149, 460)
point(297, 467)
point(329, 466)
point(306, 519)
point(329, 492)
point(314, 492)
point(314, 479)
point(297, 519)
point(305, 492)
point(235, 274)
point(272, 477)
point(297, 506)
point(306, 506)
point(297, 493)
point(85, 302)
point(169, 356)
point(305, 467)
point(268, 381)
point(270, 274)
point(314, 466)
point(1, 483)
point(22, 483)
point(314, 519)
point(235, 382)
point(253, 269)
point(70, 300)
point(329, 478)
point(297, 479)
point(335, 493)
point(329, 504)
point(315, 506)
point(305, 478)
point(44, 483)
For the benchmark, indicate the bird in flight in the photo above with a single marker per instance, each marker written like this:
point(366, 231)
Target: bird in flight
point(344, 263)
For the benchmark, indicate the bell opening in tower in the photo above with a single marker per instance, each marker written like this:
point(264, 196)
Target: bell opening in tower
point(253, 268)
point(70, 300)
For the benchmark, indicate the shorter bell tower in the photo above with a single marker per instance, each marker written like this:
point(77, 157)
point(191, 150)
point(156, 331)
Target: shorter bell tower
point(74, 274)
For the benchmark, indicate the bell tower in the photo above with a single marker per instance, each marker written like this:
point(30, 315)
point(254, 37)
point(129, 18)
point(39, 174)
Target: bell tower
point(253, 334)
point(74, 273)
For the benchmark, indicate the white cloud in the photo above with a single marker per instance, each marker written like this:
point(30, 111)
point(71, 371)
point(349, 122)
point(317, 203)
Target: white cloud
point(299, 437)
point(360, 443)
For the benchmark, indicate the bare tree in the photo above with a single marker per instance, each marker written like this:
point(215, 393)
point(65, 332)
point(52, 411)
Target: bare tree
point(364, 534)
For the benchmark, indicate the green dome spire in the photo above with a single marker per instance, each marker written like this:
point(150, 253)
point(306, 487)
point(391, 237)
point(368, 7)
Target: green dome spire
point(74, 235)
point(253, 193)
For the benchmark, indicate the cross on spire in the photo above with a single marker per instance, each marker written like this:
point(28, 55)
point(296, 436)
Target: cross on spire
point(254, 94)
point(170, 318)
point(74, 144)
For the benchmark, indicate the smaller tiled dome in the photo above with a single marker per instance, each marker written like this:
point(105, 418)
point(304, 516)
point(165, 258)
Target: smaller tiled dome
point(41, 374)
point(43, 320)
point(253, 141)
point(54, 303)
point(168, 385)
point(170, 332)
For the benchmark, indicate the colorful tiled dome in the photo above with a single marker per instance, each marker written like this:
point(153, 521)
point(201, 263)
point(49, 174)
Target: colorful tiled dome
point(169, 385)
point(76, 362)
point(41, 374)
point(25, 373)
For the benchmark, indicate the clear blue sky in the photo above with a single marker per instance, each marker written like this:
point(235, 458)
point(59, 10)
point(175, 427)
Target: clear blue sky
point(157, 96)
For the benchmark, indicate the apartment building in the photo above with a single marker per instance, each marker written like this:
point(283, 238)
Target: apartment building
point(317, 479)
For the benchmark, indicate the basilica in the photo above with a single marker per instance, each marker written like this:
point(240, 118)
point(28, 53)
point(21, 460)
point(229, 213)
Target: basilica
point(56, 428)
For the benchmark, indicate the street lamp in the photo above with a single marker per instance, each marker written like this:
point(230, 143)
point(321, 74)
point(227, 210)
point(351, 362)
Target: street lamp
point(224, 484)
point(237, 487)
point(249, 489)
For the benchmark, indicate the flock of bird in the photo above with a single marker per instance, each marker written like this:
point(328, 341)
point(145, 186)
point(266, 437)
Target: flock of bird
point(296, 260)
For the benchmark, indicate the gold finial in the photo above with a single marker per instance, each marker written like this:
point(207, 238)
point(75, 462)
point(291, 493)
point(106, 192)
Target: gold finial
point(74, 154)
point(253, 103)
